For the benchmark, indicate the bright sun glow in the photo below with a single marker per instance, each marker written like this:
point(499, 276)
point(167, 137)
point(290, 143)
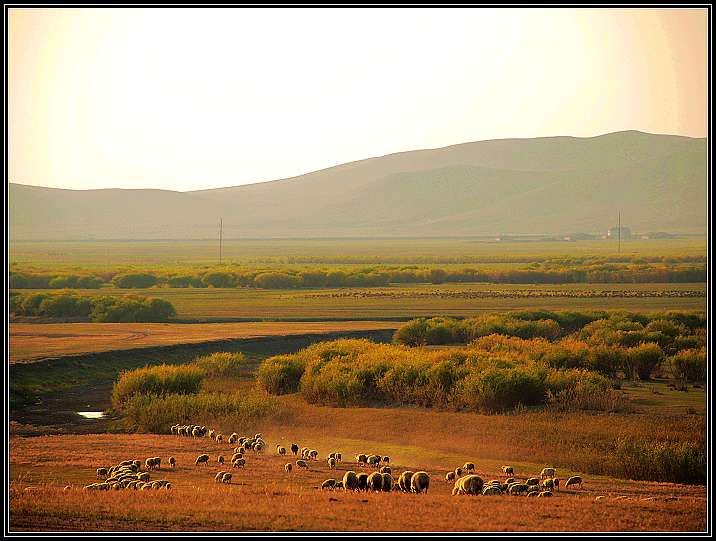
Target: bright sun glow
point(189, 99)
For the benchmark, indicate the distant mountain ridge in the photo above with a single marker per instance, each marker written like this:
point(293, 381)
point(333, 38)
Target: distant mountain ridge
point(550, 185)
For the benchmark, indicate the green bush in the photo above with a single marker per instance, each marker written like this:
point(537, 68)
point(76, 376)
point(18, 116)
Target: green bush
point(65, 306)
point(185, 281)
point(219, 279)
point(139, 280)
point(277, 280)
point(156, 380)
point(130, 309)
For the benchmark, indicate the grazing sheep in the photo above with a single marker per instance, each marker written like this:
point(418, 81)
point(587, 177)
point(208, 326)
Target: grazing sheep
point(239, 463)
point(328, 483)
point(219, 438)
point(375, 481)
point(450, 476)
point(149, 463)
point(374, 460)
point(508, 470)
point(196, 432)
point(419, 482)
point(288, 467)
point(532, 481)
point(158, 462)
point(362, 483)
point(281, 450)
point(101, 473)
point(294, 448)
point(510, 480)
point(219, 476)
point(350, 480)
point(469, 467)
point(387, 482)
point(202, 459)
point(144, 477)
point(386, 460)
point(259, 448)
point(242, 439)
point(258, 436)
point(556, 483)
point(313, 454)
point(212, 433)
point(226, 478)
point(548, 484)
point(332, 463)
point(547, 472)
point(220, 460)
point(339, 484)
point(301, 464)
point(544, 494)
point(338, 457)
point(233, 438)
point(599, 498)
point(491, 490)
point(361, 459)
point(458, 472)
point(517, 488)
point(574, 480)
point(404, 480)
point(386, 469)
point(236, 456)
point(469, 484)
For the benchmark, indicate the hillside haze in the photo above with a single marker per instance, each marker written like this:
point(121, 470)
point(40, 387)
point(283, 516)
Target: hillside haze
point(552, 185)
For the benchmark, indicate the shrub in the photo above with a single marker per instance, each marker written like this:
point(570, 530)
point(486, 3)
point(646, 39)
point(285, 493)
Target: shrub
point(280, 374)
point(65, 306)
point(644, 359)
point(156, 380)
point(221, 364)
point(130, 309)
point(674, 462)
point(277, 280)
point(219, 279)
point(185, 281)
point(138, 280)
point(689, 365)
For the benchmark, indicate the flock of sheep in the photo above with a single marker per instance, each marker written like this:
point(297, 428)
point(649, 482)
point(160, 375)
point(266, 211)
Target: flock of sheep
point(128, 474)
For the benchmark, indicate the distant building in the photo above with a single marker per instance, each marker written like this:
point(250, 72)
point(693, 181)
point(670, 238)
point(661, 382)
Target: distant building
point(658, 235)
point(580, 236)
point(613, 233)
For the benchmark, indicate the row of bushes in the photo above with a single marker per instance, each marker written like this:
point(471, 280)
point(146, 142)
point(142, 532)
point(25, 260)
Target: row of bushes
point(367, 277)
point(359, 372)
point(107, 309)
point(672, 331)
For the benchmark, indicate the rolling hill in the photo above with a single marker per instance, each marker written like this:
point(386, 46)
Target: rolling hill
point(545, 185)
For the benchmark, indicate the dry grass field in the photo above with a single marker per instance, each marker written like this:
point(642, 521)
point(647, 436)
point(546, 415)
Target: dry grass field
point(31, 341)
point(265, 498)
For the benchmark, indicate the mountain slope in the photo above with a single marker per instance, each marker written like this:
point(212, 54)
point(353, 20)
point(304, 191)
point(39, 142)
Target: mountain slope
point(544, 185)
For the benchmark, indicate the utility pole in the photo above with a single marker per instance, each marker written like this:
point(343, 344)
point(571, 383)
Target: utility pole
point(221, 237)
point(619, 229)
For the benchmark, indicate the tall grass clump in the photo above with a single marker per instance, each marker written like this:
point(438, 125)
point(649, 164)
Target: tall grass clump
point(280, 374)
point(666, 461)
point(152, 413)
point(221, 364)
point(156, 380)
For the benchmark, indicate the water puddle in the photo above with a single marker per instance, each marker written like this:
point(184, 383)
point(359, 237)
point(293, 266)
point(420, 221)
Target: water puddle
point(91, 414)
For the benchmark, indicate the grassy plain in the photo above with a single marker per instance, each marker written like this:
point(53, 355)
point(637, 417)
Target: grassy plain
point(408, 301)
point(30, 342)
point(103, 254)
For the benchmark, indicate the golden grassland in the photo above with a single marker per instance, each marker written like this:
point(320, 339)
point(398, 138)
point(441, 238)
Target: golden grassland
point(29, 341)
point(264, 497)
point(407, 301)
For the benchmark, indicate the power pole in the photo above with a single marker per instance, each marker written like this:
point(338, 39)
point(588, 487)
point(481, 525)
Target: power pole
point(221, 237)
point(619, 234)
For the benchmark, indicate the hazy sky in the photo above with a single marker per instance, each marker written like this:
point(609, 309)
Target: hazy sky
point(188, 99)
